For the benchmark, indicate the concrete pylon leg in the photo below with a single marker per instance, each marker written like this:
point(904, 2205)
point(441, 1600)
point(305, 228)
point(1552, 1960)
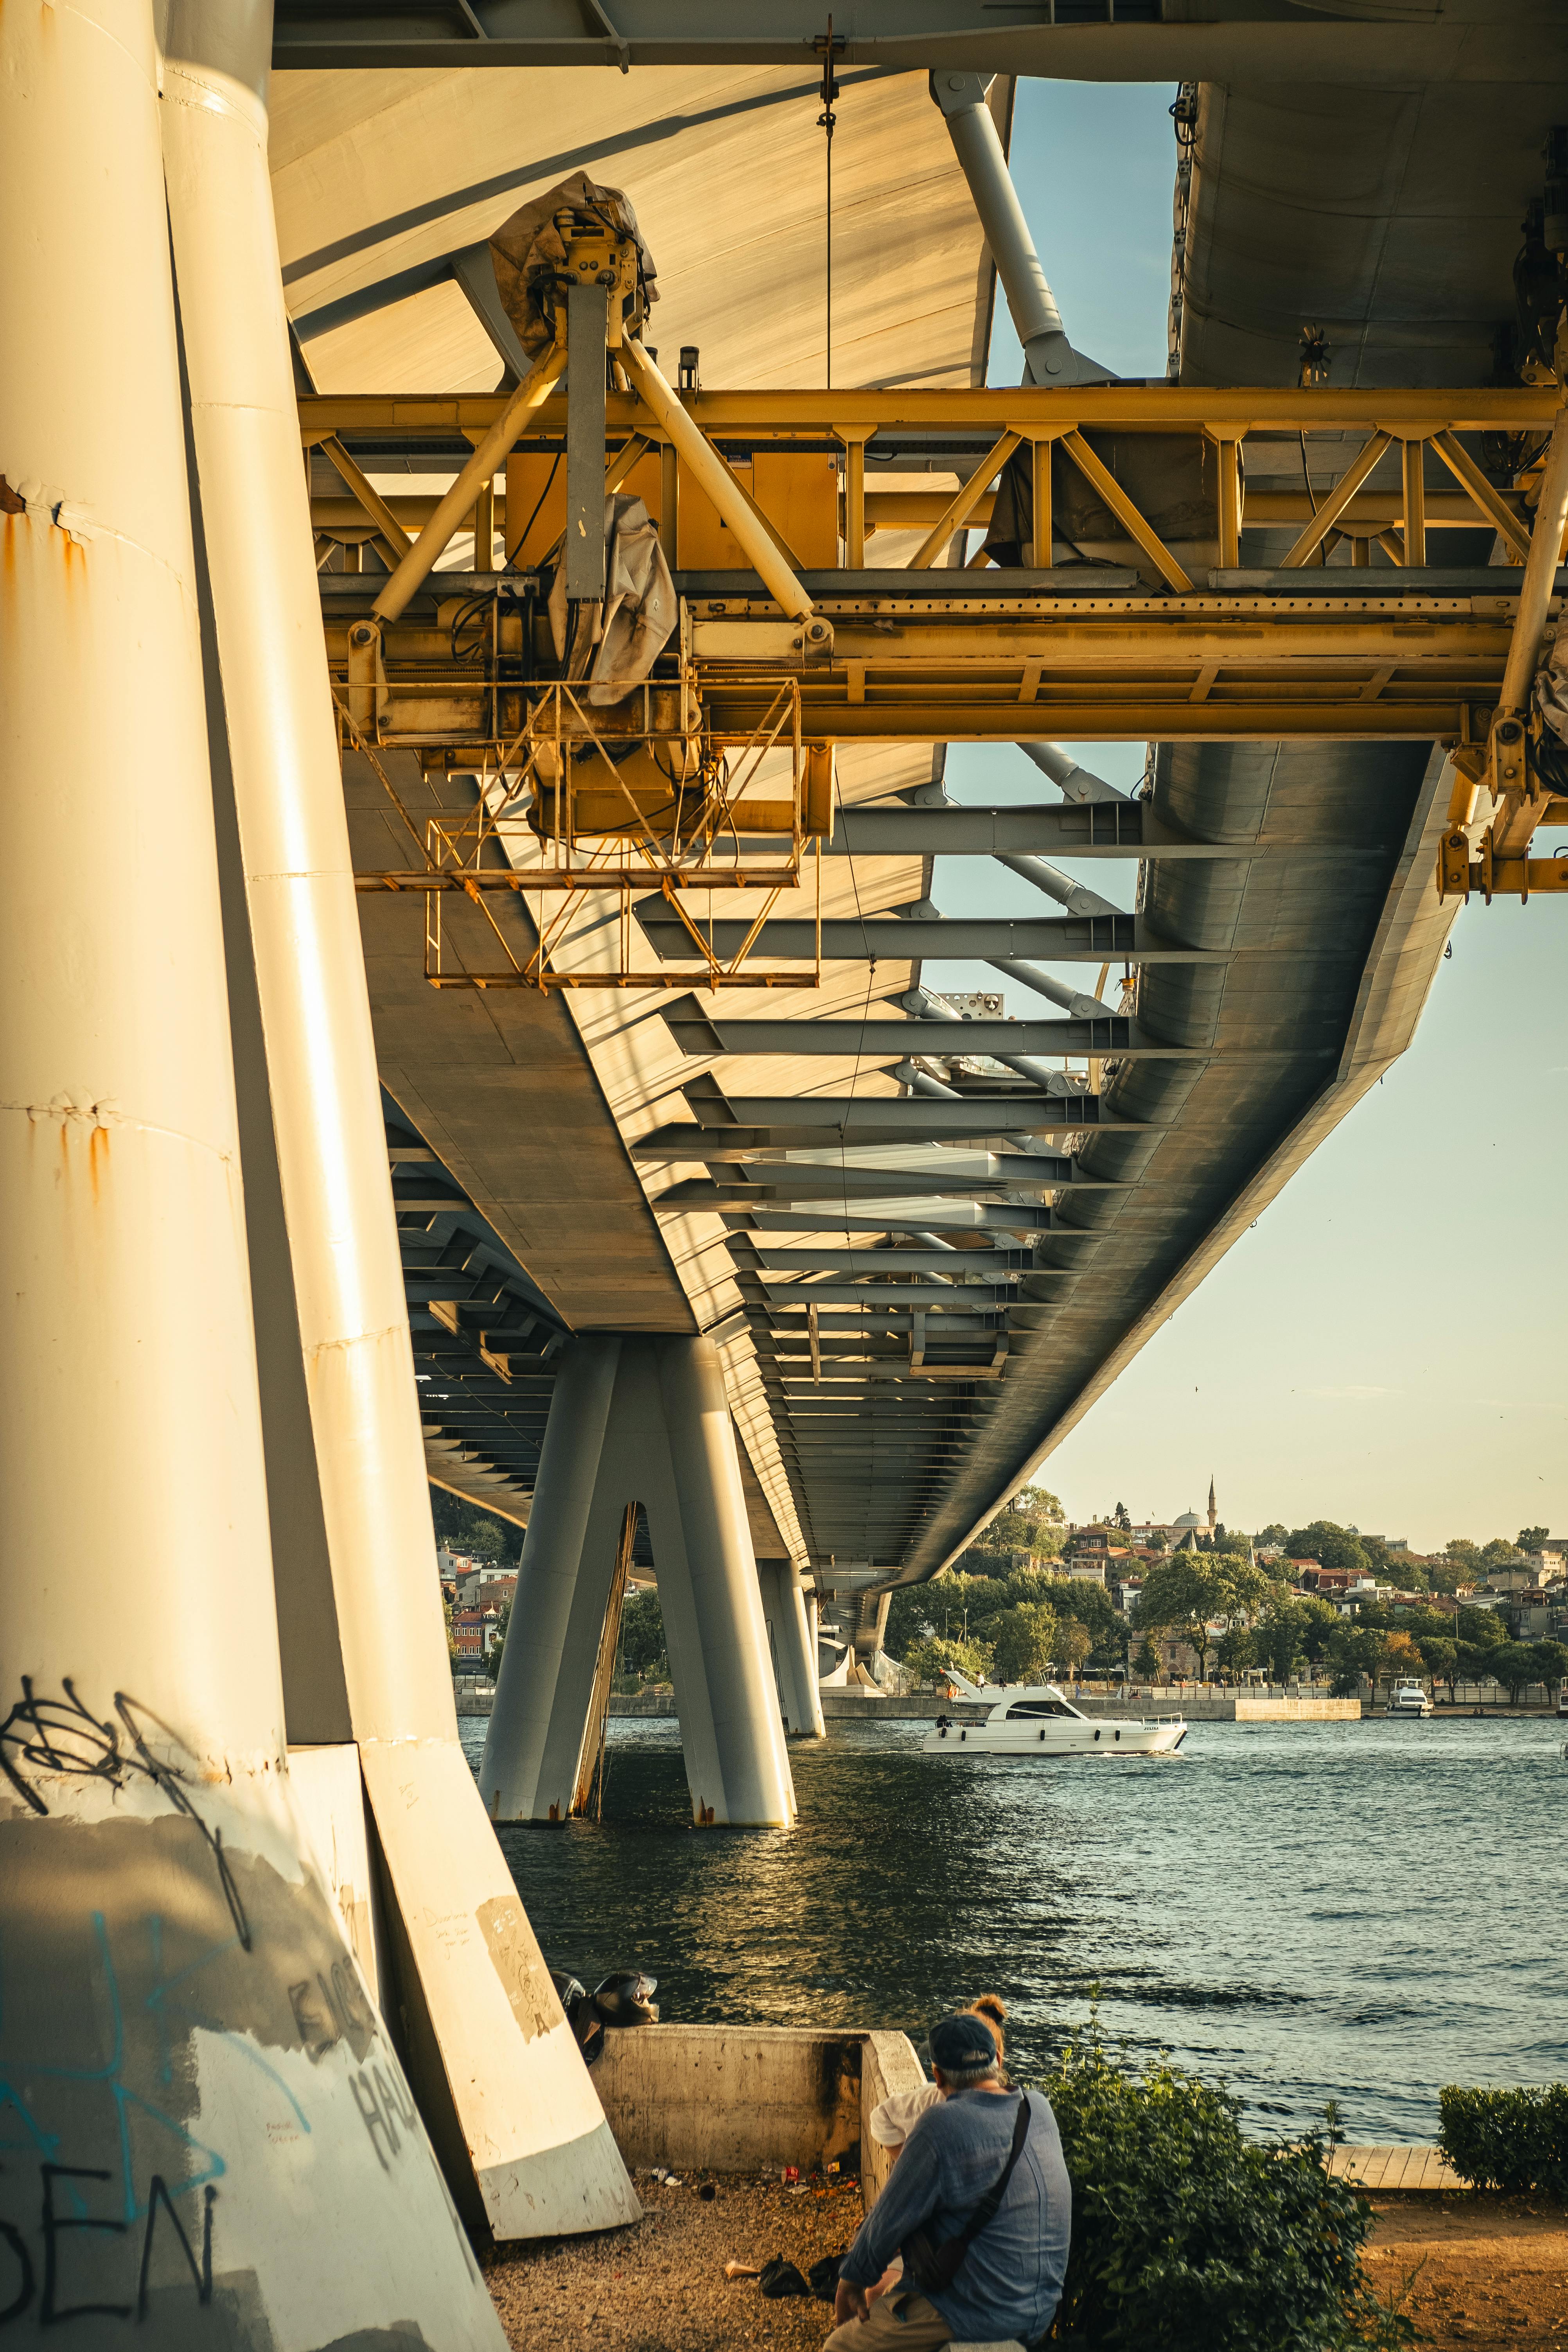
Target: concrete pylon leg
point(521, 2133)
point(535, 1732)
point(202, 2105)
point(640, 1421)
point(793, 1647)
point(811, 1725)
point(736, 1763)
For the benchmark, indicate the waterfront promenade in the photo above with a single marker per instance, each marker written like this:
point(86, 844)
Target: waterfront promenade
point(879, 1706)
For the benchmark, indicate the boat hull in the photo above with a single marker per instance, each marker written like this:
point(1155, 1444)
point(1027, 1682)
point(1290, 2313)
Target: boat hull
point(1062, 1737)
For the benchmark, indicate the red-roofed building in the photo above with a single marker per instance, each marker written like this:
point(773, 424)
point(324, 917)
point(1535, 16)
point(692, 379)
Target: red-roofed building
point(1312, 1578)
point(473, 1632)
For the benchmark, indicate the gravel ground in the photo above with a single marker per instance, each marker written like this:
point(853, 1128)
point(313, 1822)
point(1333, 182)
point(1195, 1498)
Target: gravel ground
point(660, 2287)
point(1488, 2271)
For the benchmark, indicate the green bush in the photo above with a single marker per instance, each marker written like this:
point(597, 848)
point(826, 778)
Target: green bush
point(1188, 2237)
point(1507, 2139)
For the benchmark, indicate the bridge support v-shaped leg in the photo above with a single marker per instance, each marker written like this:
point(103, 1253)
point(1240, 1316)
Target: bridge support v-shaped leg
point(793, 1647)
point(736, 1763)
point(546, 1679)
point(640, 1421)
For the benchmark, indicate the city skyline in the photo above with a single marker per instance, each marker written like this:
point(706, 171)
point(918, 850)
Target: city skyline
point(1089, 1517)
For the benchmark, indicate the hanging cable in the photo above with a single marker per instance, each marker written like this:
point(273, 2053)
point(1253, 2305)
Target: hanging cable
point(1311, 500)
point(828, 45)
point(517, 545)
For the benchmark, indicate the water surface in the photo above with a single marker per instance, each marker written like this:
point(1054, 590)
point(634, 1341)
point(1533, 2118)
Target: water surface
point(1360, 1912)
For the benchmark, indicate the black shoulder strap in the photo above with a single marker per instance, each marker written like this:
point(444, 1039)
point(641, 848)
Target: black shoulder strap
point(990, 2204)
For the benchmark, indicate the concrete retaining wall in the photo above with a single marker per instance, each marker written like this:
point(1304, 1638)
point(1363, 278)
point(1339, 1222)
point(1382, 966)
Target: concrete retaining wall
point(731, 2098)
point(1298, 1710)
point(1230, 1708)
point(850, 1706)
point(847, 1706)
point(844, 1706)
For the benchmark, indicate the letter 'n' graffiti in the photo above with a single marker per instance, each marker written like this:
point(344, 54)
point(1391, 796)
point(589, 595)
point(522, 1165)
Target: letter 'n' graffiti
point(54, 2226)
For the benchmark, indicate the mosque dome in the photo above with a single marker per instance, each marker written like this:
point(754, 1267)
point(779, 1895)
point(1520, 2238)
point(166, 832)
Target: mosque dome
point(1188, 1520)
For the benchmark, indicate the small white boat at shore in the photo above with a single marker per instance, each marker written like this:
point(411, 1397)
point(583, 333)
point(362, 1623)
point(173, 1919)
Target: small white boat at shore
point(1037, 1719)
point(1409, 1697)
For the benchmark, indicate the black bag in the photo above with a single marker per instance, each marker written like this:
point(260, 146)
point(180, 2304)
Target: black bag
point(824, 2277)
point(932, 2268)
point(780, 2278)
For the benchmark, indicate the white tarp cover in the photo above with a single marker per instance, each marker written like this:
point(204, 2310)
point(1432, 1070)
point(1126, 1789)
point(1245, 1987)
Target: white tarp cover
point(633, 624)
point(1552, 689)
point(528, 251)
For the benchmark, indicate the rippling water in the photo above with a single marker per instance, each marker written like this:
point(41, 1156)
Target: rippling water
point(1360, 1912)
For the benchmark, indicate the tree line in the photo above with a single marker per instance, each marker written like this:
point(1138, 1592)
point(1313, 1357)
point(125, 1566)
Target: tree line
point(1034, 1523)
point(1017, 1628)
point(1030, 1622)
point(1007, 1613)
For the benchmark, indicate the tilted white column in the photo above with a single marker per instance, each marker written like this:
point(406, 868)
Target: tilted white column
point(736, 1762)
point(793, 1647)
point(811, 1725)
point(535, 1731)
point(494, 2049)
point(198, 2087)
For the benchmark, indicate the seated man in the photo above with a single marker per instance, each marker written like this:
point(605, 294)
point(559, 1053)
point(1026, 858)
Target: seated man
point(1010, 2279)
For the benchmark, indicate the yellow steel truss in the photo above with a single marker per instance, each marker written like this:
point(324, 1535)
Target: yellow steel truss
point(888, 659)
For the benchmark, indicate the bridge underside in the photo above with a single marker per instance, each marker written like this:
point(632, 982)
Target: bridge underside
point(640, 1173)
point(591, 1043)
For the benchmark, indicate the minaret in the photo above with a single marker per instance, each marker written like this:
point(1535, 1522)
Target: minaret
point(1211, 1506)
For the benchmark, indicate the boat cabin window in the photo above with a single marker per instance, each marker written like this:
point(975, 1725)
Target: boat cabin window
point(1033, 1706)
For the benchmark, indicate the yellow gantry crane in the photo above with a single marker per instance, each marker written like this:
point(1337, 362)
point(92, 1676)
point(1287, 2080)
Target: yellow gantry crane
point(714, 767)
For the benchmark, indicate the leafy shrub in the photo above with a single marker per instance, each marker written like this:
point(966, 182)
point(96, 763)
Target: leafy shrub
point(927, 1661)
point(1507, 2139)
point(1189, 2238)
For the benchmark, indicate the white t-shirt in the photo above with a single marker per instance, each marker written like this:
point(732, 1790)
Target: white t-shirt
point(892, 2120)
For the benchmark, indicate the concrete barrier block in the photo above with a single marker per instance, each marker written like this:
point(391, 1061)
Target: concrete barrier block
point(888, 2065)
point(729, 2098)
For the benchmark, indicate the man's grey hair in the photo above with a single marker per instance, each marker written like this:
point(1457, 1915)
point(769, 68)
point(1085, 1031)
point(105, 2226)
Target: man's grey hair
point(969, 2078)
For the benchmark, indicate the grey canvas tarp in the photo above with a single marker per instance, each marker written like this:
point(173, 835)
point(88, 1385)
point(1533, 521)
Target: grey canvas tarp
point(527, 251)
point(633, 625)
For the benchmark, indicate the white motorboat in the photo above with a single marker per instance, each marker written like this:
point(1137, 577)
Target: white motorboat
point(1037, 1719)
point(1409, 1697)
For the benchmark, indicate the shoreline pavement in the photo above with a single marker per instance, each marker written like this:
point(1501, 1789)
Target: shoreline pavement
point(851, 1706)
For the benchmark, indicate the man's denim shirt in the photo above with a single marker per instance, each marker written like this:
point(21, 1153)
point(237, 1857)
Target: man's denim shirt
point(1011, 2279)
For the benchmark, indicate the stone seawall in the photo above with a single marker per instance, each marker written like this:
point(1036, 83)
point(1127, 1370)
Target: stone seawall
point(850, 1706)
point(867, 1706)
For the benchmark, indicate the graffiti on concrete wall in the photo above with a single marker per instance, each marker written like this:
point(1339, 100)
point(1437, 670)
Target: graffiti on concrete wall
point(180, 2020)
point(63, 1737)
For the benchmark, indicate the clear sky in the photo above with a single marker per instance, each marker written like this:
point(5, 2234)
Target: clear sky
point(1389, 1346)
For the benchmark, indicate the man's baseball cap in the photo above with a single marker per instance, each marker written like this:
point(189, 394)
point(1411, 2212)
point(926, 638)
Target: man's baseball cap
point(959, 2044)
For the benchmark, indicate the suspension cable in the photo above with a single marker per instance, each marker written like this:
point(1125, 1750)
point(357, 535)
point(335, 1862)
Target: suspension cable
point(827, 46)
